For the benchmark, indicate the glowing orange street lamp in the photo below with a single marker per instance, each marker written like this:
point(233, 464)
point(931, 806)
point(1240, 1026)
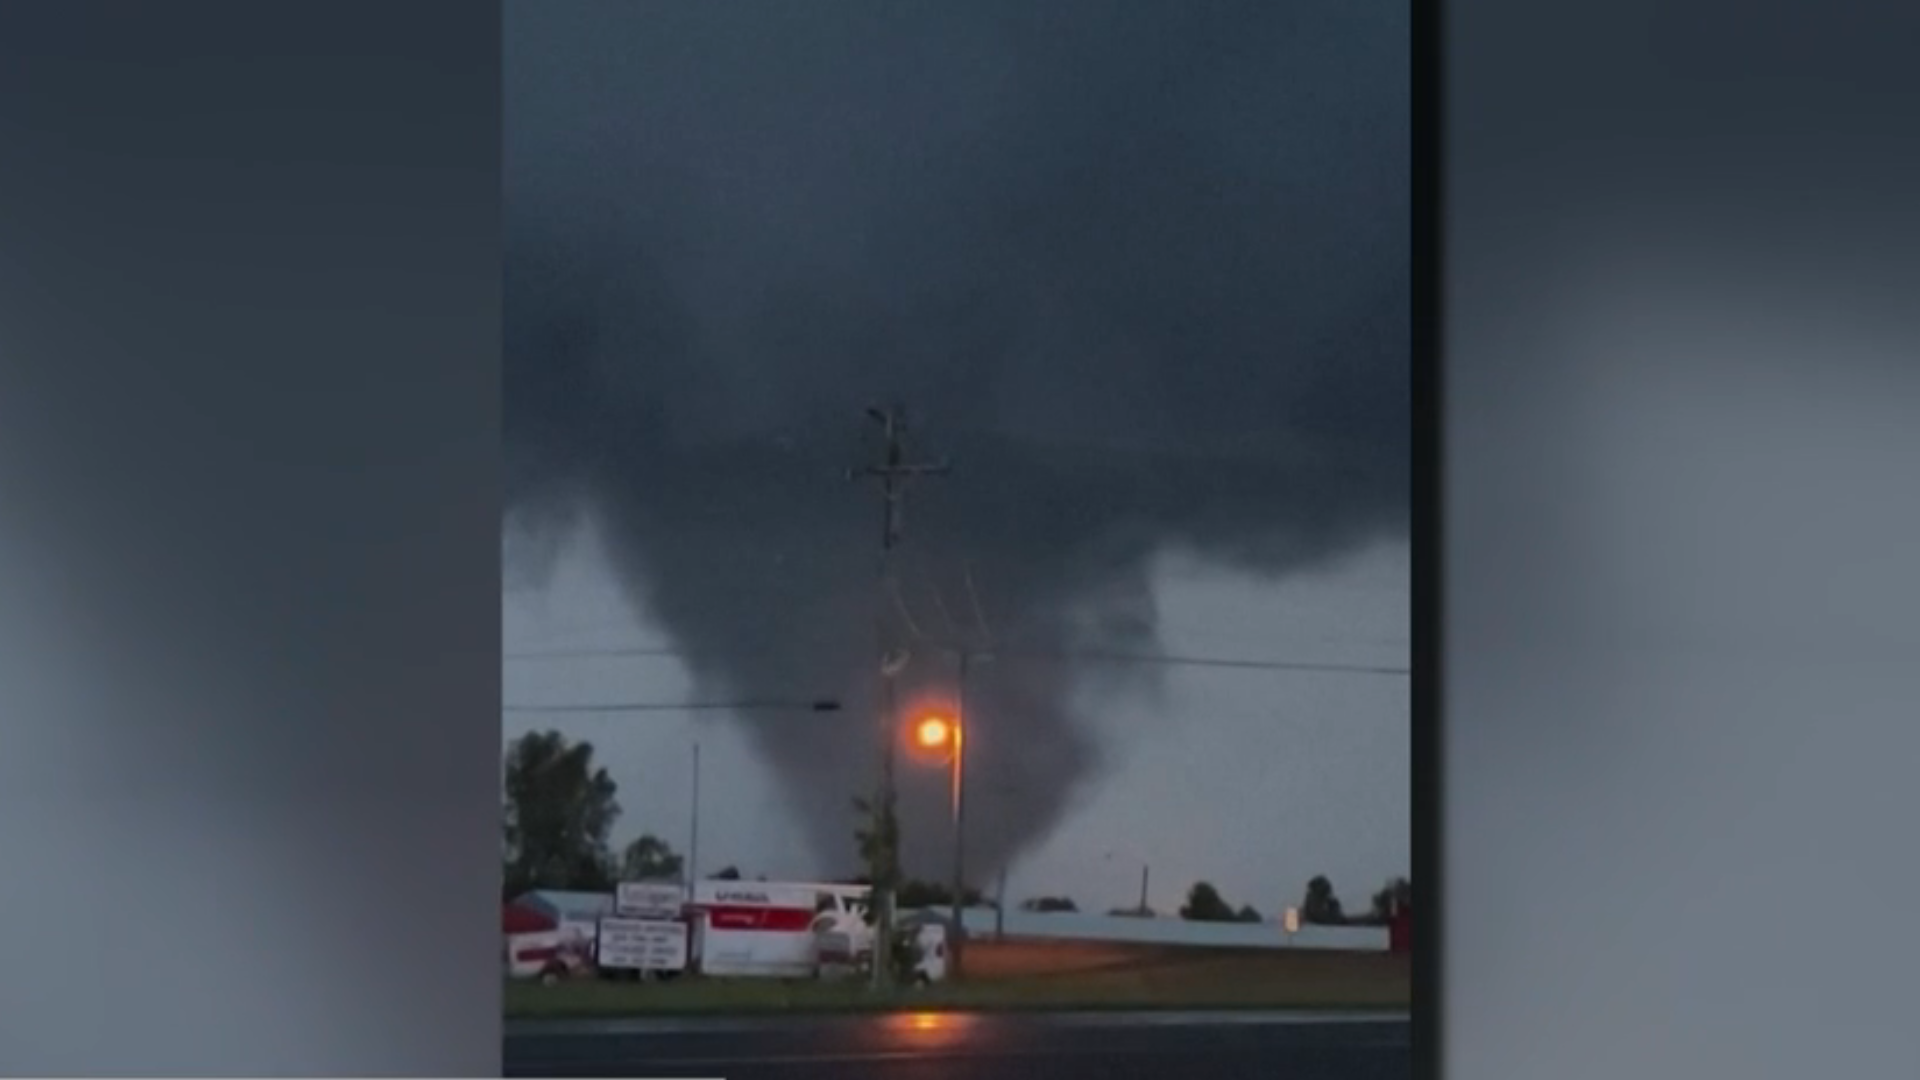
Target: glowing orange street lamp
point(934, 732)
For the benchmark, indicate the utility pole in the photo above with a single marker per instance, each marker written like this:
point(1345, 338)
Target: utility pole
point(967, 653)
point(691, 869)
point(1000, 907)
point(693, 827)
point(1145, 869)
point(894, 474)
point(957, 932)
point(967, 656)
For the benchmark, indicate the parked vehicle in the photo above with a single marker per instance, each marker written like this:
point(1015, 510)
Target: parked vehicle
point(753, 929)
point(843, 940)
point(922, 951)
point(549, 956)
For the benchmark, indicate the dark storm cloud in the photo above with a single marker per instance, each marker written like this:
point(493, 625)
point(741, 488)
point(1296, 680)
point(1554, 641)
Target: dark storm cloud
point(1139, 270)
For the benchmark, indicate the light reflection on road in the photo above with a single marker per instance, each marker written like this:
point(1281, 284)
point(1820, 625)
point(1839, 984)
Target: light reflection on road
point(931, 1030)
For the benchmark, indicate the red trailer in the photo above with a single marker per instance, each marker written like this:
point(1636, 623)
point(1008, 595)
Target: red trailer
point(1400, 932)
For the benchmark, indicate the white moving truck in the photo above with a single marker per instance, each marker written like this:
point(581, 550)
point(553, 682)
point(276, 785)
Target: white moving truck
point(753, 928)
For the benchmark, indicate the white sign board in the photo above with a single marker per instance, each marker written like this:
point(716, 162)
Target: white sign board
point(579, 929)
point(648, 900)
point(643, 945)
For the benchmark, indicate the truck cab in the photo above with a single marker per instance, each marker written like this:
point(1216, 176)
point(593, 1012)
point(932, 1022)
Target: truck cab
point(842, 937)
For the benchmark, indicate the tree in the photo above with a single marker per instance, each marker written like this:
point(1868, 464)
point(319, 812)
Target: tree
point(557, 812)
point(878, 840)
point(915, 893)
point(1133, 912)
point(1398, 894)
point(1050, 904)
point(650, 859)
point(727, 873)
point(1205, 904)
point(1248, 914)
point(1321, 907)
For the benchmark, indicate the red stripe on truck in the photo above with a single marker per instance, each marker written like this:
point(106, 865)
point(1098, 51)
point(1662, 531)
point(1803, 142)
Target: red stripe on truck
point(777, 920)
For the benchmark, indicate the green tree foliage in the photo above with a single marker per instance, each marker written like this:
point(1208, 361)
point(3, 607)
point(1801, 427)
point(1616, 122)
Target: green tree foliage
point(650, 859)
point(727, 873)
point(557, 812)
point(1205, 904)
point(1247, 913)
point(1321, 907)
point(878, 841)
point(1049, 904)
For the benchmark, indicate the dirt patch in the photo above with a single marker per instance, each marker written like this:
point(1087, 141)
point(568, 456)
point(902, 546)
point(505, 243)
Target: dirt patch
point(1034, 958)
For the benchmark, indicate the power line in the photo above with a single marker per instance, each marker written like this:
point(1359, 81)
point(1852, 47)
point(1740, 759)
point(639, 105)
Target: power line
point(823, 705)
point(1056, 655)
point(616, 707)
point(1213, 662)
point(563, 654)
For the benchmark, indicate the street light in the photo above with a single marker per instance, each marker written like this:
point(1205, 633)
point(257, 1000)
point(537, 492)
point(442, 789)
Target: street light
point(940, 733)
point(936, 733)
point(933, 732)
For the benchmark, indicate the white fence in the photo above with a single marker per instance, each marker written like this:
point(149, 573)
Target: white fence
point(980, 922)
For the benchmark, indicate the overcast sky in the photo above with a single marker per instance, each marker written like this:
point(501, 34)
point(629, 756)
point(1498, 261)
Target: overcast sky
point(1140, 271)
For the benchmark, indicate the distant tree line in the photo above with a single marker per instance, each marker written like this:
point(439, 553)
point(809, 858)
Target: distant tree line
point(1395, 897)
point(1205, 904)
point(1321, 906)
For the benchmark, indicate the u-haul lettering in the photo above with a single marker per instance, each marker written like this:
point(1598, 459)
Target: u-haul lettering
point(714, 894)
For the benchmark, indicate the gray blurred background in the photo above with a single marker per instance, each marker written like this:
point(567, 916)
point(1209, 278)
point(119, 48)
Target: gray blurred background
point(1680, 435)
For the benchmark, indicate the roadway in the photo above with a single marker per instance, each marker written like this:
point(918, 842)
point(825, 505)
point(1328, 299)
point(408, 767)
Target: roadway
point(969, 1046)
